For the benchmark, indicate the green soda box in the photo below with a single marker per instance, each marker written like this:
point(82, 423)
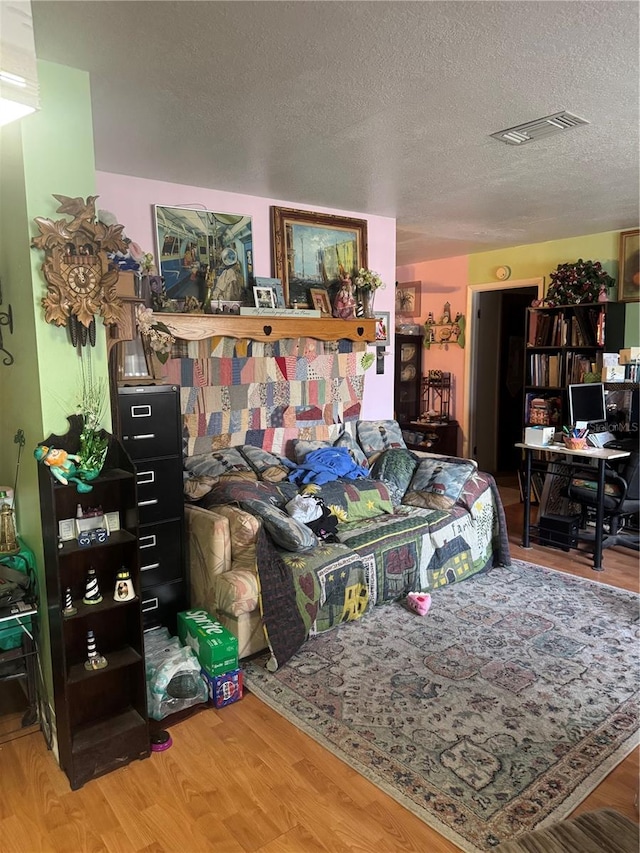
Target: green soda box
point(214, 646)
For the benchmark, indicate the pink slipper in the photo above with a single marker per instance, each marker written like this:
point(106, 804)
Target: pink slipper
point(419, 601)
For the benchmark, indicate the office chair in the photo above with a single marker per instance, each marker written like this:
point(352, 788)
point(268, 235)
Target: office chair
point(621, 499)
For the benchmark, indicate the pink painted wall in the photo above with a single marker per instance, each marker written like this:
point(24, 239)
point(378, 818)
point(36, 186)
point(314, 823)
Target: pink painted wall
point(442, 281)
point(132, 200)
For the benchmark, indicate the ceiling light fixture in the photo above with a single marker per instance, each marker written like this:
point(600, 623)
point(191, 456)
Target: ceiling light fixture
point(539, 128)
point(19, 92)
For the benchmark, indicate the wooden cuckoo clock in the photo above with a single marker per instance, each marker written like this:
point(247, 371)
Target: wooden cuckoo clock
point(79, 281)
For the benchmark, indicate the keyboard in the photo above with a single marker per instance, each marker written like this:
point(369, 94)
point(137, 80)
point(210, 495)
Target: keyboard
point(622, 444)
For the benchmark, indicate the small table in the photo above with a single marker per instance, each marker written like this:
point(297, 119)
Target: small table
point(602, 455)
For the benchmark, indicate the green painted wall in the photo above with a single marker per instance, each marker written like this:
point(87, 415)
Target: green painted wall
point(540, 259)
point(45, 153)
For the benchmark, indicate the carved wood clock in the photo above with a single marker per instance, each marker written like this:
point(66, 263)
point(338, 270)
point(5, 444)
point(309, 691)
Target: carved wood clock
point(79, 281)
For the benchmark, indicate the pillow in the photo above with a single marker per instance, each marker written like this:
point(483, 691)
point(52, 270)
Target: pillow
point(395, 468)
point(236, 491)
point(354, 500)
point(267, 465)
point(285, 531)
point(301, 448)
point(226, 464)
point(376, 436)
point(437, 484)
point(196, 487)
point(355, 451)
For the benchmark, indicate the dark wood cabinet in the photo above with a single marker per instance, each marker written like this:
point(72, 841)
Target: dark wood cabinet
point(435, 438)
point(151, 432)
point(100, 714)
point(407, 377)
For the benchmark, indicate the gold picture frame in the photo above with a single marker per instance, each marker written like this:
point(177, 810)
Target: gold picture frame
point(629, 266)
point(311, 249)
point(320, 300)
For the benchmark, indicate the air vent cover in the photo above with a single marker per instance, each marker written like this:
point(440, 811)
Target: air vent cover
point(539, 128)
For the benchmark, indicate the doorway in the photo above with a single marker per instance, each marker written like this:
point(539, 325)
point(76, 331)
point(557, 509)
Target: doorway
point(494, 371)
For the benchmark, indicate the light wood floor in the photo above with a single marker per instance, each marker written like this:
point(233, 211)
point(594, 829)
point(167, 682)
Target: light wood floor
point(244, 779)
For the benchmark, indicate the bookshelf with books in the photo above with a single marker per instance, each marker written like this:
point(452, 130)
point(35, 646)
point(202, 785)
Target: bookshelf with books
point(563, 345)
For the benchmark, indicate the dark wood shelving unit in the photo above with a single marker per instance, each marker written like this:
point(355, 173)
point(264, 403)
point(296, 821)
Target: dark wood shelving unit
point(101, 718)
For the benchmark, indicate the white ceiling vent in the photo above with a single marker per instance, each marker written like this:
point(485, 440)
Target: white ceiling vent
point(539, 128)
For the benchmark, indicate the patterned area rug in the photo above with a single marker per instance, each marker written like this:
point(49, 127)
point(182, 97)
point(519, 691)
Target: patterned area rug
point(495, 714)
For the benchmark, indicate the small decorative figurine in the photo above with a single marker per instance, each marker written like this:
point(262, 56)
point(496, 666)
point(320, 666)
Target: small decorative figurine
point(68, 609)
point(124, 590)
point(94, 659)
point(62, 466)
point(92, 593)
point(344, 304)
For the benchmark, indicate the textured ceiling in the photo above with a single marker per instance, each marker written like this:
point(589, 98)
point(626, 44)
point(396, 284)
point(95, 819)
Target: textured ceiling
point(379, 107)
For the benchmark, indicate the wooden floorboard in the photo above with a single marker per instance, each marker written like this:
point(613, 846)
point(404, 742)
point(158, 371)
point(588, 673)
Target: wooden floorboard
point(244, 780)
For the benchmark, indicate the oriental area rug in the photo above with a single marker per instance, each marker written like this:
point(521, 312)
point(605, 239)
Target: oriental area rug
point(493, 715)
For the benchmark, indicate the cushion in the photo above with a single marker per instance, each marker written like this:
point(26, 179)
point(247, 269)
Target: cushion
point(301, 448)
point(354, 500)
point(395, 467)
point(376, 436)
point(236, 491)
point(267, 465)
point(285, 531)
point(437, 483)
point(355, 451)
point(225, 464)
point(196, 487)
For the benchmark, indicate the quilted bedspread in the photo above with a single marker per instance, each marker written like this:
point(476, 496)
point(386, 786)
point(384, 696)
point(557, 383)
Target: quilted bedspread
point(377, 561)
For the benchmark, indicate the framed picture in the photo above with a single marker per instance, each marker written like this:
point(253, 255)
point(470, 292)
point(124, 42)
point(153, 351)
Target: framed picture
point(629, 268)
point(382, 328)
point(312, 249)
point(408, 301)
point(320, 300)
point(276, 286)
point(203, 254)
point(264, 297)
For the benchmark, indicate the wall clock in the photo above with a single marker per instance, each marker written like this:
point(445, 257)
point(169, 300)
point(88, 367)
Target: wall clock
point(80, 283)
point(503, 273)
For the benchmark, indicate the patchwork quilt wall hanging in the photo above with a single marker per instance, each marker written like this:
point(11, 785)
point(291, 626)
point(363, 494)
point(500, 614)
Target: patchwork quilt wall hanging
point(236, 392)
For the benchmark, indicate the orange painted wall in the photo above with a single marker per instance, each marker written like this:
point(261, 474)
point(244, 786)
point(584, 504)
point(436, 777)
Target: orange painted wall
point(442, 281)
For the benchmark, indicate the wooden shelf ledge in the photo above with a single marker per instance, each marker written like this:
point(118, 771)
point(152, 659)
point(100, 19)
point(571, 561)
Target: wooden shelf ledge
point(197, 327)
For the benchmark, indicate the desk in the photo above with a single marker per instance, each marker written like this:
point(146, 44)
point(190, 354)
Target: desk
point(602, 455)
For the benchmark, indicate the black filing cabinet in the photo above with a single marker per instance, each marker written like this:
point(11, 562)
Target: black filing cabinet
point(151, 432)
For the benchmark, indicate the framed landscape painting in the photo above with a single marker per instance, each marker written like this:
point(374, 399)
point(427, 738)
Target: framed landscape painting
point(204, 254)
point(312, 250)
point(629, 268)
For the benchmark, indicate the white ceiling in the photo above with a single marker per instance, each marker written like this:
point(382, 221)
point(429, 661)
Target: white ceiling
point(378, 107)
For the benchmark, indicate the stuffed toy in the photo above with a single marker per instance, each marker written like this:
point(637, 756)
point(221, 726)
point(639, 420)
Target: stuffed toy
point(62, 466)
point(419, 602)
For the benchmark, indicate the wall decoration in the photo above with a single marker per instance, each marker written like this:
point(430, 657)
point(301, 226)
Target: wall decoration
point(320, 300)
point(276, 285)
point(408, 300)
point(629, 269)
point(382, 328)
point(445, 329)
point(79, 280)
point(204, 254)
point(315, 250)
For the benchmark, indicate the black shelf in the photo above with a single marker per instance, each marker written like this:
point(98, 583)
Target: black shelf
point(116, 660)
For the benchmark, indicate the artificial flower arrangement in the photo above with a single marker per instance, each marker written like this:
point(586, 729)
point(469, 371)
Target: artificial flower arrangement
point(368, 280)
point(582, 281)
point(155, 332)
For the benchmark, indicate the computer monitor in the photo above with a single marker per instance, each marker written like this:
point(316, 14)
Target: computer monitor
point(586, 403)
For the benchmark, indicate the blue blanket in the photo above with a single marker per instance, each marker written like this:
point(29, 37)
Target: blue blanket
point(327, 464)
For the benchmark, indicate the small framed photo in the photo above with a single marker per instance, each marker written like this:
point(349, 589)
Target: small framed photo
point(320, 300)
point(112, 521)
point(264, 297)
point(629, 268)
point(408, 298)
point(276, 285)
point(67, 529)
point(382, 328)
